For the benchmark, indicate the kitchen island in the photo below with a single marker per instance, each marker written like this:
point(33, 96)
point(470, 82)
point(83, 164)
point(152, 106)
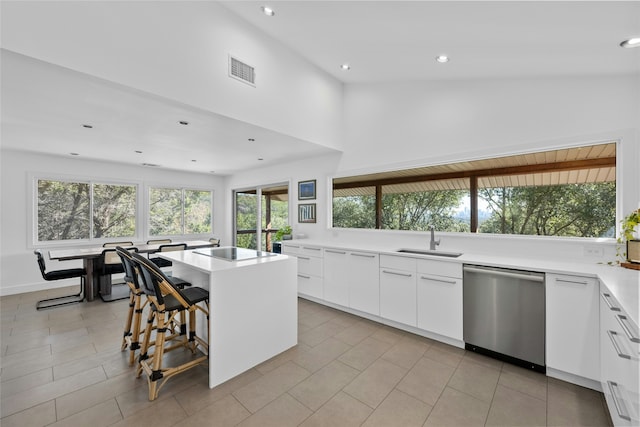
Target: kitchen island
point(253, 305)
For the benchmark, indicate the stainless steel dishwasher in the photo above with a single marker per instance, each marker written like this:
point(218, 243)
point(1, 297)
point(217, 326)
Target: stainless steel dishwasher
point(504, 314)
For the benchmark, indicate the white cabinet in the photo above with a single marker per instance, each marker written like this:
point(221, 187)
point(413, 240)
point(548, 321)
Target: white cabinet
point(398, 289)
point(364, 282)
point(619, 354)
point(439, 297)
point(309, 268)
point(572, 324)
point(336, 272)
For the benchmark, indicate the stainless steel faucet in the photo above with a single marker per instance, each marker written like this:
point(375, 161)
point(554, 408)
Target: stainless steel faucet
point(433, 242)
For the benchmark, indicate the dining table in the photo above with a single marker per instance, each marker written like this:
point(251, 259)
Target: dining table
point(92, 261)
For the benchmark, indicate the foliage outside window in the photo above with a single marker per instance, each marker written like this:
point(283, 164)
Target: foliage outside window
point(568, 192)
point(274, 208)
point(177, 211)
point(64, 210)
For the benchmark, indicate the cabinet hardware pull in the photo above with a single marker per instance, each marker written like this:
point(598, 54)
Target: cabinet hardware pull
point(293, 246)
point(312, 249)
point(451, 282)
point(575, 282)
point(397, 274)
point(334, 252)
point(505, 274)
point(615, 345)
point(607, 301)
point(617, 403)
point(304, 257)
point(621, 318)
point(303, 276)
point(364, 255)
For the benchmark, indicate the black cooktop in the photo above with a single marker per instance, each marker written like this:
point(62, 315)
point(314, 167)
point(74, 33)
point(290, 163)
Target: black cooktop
point(233, 254)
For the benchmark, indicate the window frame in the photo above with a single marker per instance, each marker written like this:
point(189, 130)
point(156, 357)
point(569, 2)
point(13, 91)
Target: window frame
point(147, 211)
point(32, 210)
point(474, 176)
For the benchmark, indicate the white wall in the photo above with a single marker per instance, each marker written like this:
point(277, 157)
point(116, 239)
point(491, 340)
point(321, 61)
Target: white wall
point(185, 46)
point(400, 125)
point(18, 269)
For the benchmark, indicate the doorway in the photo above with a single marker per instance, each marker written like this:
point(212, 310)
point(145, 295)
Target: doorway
point(259, 213)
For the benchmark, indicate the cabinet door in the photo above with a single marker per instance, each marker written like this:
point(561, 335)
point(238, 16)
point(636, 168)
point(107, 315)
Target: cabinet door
point(336, 271)
point(364, 282)
point(398, 295)
point(440, 305)
point(572, 313)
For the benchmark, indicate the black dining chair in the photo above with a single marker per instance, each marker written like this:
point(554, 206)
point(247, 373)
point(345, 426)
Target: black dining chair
point(161, 262)
point(68, 273)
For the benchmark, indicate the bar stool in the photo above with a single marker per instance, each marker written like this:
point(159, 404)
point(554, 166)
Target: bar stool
point(112, 264)
point(69, 273)
point(131, 338)
point(166, 302)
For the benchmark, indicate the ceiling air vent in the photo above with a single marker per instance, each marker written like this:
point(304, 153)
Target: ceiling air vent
point(241, 71)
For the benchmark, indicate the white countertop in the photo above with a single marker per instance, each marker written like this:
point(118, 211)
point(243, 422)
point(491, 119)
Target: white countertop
point(209, 264)
point(623, 283)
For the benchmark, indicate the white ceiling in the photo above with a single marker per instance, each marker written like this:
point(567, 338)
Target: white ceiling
point(43, 105)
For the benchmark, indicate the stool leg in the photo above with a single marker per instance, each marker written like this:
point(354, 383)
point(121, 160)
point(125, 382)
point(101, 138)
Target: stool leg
point(127, 325)
point(145, 341)
point(158, 353)
point(135, 335)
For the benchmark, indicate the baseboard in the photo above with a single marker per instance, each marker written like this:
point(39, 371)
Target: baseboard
point(38, 286)
point(574, 379)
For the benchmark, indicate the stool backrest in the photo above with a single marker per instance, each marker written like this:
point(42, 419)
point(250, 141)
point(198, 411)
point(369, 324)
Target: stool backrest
point(130, 271)
point(157, 282)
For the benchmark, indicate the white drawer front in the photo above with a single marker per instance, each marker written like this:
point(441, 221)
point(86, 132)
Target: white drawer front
point(310, 251)
point(310, 285)
point(398, 262)
point(440, 268)
point(290, 249)
point(310, 265)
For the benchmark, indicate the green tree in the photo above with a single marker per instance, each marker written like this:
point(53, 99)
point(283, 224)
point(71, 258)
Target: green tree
point(114, 210)
point(419, 210)
point(63, 210)
point(354, 212)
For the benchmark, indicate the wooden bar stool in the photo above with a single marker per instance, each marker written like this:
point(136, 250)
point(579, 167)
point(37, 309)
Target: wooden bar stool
point(167, 302)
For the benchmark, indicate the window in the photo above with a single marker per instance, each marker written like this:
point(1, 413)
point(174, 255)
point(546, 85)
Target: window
point(83, 210)
point(568, 192)
point(177, 211)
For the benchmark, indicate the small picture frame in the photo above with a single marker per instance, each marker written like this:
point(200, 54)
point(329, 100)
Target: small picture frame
point(307, 190)
point(307, 213)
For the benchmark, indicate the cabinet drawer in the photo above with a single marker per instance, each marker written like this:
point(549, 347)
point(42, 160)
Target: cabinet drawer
point(398, 262)
point(310, 251)
point(310, 285)
point(440, 268)
point(290, 249)
point(310, 265)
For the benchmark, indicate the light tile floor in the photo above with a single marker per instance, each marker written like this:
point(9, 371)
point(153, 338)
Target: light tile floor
point(63, 367)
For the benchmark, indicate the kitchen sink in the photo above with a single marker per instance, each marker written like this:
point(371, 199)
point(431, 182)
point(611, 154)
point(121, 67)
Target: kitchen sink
point(429, 252)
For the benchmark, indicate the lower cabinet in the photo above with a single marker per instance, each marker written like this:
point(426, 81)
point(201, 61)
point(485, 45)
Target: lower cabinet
point(310, 281)
point(364, 282)
point(336, 281)
point(619, 353)
point(572, 324)
point(398, 289)
point(439, 297)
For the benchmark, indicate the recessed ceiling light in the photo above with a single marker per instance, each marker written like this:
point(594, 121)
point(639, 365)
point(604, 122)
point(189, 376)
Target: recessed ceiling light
point(74, 154)
point(194, 160)
point(251, 139)
point(138, 151)
point(87, 126)
point(633, 42)
point(183, 122)
point(268, 11)
point(260, 159)
point(345, 67)
point(442, 59)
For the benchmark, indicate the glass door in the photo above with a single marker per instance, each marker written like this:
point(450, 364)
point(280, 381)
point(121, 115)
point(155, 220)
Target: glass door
point(259, 213)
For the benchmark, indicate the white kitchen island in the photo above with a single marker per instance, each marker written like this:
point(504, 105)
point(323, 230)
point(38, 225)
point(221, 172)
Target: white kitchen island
point(253, 306)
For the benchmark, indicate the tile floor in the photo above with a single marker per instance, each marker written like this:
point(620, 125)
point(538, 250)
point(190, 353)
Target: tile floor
point(63, 367)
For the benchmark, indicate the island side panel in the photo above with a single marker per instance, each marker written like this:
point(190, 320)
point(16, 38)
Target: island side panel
point(253, 315)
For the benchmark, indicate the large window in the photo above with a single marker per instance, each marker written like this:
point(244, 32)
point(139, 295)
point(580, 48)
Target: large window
point(273, 208)
point(567, 192)
point(83, 210)
point(178, 211)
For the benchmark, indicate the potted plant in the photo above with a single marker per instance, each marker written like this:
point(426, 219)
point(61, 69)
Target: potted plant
point(629, 235)
point(284, 233)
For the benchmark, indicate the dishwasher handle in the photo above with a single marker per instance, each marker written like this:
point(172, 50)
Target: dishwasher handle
point(504, 273)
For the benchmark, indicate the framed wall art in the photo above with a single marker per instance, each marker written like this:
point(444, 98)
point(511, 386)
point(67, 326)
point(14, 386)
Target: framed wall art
point(307, 212)
point(307, 190)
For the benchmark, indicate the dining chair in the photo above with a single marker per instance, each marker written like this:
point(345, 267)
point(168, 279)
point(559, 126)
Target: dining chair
point(215, 241)
point(68, 273)
point(112, 264)
point(161, 262)
point(166, 303)
point(114, 244)
point(158, 241)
